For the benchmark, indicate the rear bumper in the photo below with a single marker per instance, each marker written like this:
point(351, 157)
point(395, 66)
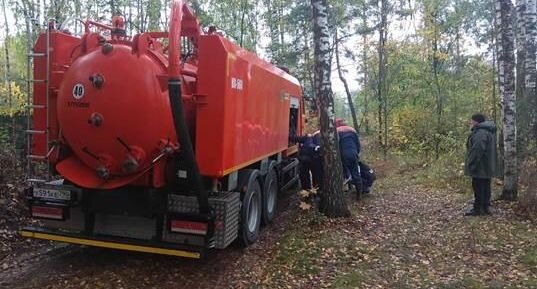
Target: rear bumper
point(114, 243)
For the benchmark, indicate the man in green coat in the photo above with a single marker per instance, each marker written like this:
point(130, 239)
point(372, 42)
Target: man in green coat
point(481, 162)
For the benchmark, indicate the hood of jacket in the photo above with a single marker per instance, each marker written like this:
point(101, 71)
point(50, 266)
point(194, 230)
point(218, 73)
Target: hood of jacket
point(486, 125)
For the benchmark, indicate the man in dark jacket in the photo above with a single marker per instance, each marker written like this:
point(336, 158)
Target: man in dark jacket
point(349, 146)
point(309, 157)
point(481, 162)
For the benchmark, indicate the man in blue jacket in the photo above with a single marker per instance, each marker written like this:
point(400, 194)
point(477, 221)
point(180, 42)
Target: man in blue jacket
point(310, 160)
point(349, 146)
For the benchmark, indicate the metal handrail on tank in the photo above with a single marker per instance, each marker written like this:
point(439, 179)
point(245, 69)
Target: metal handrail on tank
point(89, 23)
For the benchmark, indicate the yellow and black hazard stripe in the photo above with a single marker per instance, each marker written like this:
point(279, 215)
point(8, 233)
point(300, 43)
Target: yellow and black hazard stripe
point(112, 245)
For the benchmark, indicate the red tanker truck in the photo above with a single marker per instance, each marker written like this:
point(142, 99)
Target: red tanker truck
point(165, 142)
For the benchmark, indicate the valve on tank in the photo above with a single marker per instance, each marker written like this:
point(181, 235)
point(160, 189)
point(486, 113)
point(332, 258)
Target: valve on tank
point(103, 172)
point(95, 120)
point(97, 80)
point(118, 22)
point(135, 156)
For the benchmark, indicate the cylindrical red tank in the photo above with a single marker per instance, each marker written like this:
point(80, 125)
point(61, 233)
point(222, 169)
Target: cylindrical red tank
point(114, 111)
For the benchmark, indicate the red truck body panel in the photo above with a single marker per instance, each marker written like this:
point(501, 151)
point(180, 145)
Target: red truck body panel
point(244, 112)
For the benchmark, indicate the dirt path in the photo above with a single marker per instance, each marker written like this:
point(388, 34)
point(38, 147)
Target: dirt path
point(410, 236)
point(422, 240)
point(67, 266)
point(402, 236)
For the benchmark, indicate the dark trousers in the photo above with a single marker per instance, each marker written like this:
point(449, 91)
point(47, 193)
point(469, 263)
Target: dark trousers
point(368, 176)
point(317, 172)
point(350, 166)
point(482, 193)
point(304, 173)
point(314, 166)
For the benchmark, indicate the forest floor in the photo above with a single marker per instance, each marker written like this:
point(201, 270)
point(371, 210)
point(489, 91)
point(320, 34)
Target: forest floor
point(408, 233)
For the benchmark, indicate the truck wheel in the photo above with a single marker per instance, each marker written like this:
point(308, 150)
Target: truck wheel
point(251, 209)
point(270, 196)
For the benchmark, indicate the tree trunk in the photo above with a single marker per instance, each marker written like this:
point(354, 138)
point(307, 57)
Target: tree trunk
point(7, 64)
point(365, 105)
point(273, 20)
point(242, 28)
point(496, 63)
point(381, 85)
point(438, 93)
point(333, 200)
point(522, 115)
point(494, 75)
point(129, 21)
point(506, 64)
point(113, 8)
point(458, 68)
point(365, 85)
point(308, 72)
point(530, 68)
point(140, 16)
point(7, 72)
point(347, 91)
point(255, 26)
point(281, 29)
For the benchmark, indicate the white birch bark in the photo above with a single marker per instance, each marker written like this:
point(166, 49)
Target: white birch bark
point(506, 65)
point(520, 47)
point(530, 66)
point(333, 200)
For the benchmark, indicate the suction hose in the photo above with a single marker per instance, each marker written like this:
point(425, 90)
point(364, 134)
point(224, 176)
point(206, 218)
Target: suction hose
point(176, 104)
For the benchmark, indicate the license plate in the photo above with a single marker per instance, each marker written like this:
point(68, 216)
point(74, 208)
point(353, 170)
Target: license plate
point(52, 194)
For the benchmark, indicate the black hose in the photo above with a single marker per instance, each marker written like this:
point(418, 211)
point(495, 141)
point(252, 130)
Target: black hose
point(176, 104)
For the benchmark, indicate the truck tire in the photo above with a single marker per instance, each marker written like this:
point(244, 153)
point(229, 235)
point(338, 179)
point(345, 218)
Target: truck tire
point(251, 208)
point(270, 195)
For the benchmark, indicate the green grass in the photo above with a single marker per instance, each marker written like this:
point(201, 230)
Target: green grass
point(447, 172)
point(298, 250)
point(530, 259)
point(349, 280)
point(295, 254)
point(468, 282)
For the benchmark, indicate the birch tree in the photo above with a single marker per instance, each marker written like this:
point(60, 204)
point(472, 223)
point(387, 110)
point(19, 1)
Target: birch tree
point(530, 67)
point(381, 84)
point(333, 201)
point(520, 46)
point(506, 65)
point(7, 71)
point(365, 78)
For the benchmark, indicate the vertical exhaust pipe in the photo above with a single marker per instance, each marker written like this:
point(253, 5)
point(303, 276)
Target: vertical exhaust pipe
point(176, 104)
